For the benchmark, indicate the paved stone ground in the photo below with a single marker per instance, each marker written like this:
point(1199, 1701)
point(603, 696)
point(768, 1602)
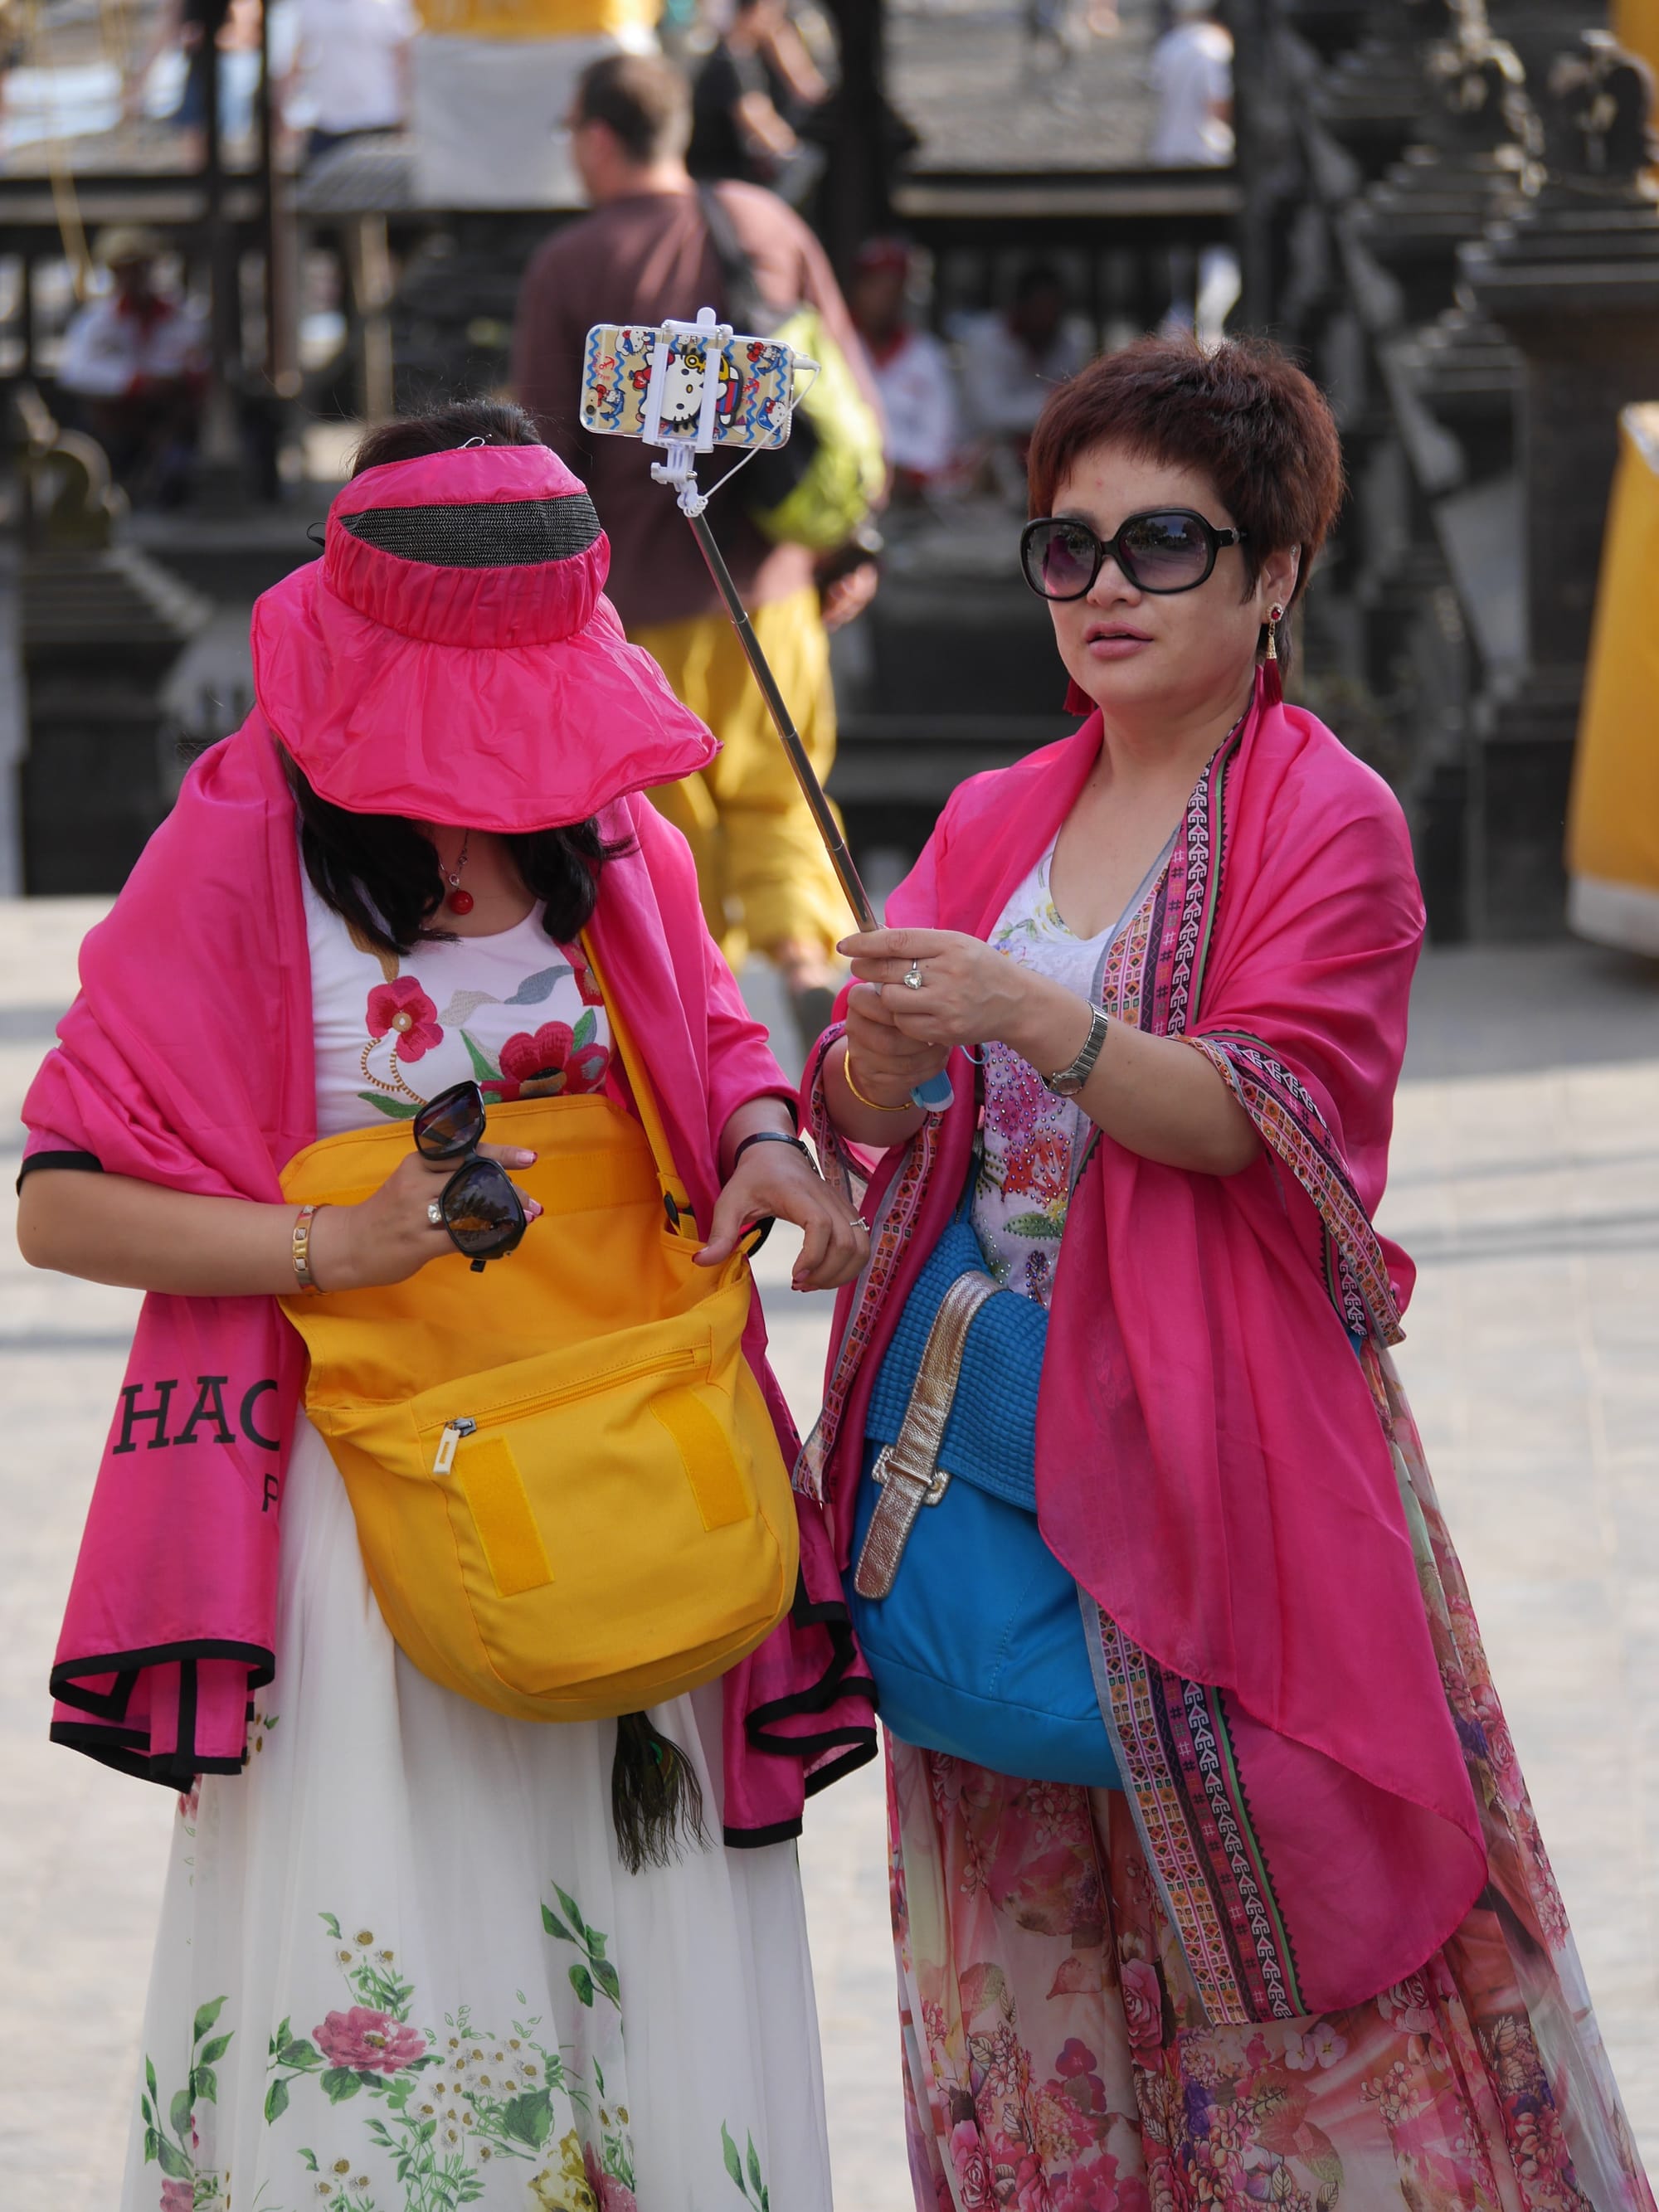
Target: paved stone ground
point(983, 93)
point(1526, 1183)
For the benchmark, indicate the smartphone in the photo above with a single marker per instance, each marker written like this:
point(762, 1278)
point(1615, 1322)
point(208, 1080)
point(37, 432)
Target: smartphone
point(756, 384)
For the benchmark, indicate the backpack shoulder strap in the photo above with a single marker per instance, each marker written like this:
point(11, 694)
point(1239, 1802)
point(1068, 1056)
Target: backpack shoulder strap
point(744, 304)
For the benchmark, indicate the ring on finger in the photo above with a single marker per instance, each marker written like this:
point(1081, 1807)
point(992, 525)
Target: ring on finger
point(434, 1214)
point(913, 976)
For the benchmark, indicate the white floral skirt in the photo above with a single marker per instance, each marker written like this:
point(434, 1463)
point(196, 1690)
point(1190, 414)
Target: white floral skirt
point(401, 1969)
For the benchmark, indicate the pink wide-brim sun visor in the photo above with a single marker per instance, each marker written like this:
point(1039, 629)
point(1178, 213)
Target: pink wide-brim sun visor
point(453, 658)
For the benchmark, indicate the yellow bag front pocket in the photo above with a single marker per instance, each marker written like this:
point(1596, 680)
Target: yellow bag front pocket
point(500, 1513)
point(581, 1532)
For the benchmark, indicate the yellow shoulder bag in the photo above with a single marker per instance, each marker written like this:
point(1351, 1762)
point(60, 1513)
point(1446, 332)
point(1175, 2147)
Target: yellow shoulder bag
point(567, 1486)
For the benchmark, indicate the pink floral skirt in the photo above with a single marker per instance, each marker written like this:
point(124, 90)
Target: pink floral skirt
point(1057, 2058)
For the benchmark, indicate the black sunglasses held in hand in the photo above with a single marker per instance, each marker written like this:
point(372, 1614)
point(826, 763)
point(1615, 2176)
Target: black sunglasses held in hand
point(1169, 549)
point(482, 1211)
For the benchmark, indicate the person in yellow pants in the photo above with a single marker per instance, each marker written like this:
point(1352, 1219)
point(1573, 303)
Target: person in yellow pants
point(766, 881)
point(644, 254)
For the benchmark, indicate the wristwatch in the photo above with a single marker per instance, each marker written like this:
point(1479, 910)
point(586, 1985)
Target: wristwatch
point(1066, 1082)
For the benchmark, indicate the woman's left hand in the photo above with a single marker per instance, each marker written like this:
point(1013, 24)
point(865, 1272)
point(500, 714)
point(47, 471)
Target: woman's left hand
point(777, 1180)
point(964, 992)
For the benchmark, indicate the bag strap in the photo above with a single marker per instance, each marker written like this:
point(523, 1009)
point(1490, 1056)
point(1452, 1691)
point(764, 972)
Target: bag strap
point(676, 1198)
point(744, 304)
point(907, 1470)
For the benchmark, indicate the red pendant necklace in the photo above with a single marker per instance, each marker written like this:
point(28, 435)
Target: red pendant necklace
point(458, 901)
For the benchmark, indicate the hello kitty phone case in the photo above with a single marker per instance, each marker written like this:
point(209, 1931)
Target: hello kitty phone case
point(756, 384)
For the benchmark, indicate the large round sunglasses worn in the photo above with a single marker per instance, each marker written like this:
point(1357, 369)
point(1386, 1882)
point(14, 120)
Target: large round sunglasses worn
point(1169, 549)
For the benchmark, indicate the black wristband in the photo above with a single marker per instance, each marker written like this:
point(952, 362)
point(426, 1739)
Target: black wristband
point(769, 1137)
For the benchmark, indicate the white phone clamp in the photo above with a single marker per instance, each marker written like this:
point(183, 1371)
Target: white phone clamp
point(701, 398)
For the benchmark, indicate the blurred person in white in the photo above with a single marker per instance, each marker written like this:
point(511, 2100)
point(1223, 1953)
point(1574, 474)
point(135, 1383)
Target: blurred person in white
point(1192, 74)
point(1011, 359)
point(351, 70)
point(133, 367)
point(913, 371)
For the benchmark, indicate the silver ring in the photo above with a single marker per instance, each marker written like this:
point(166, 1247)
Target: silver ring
point(434, 1214)
point(912, 978)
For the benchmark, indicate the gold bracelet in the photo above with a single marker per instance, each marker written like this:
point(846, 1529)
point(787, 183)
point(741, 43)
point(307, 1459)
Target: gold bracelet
point(302, 1275)
point(847, 1072)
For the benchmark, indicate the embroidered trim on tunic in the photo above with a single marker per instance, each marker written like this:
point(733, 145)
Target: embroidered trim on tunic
point(1290, 1120)
point(1175, 1751)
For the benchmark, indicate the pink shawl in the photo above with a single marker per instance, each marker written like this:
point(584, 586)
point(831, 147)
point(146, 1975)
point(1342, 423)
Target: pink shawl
point(1211, 1463)
point(188, 1060)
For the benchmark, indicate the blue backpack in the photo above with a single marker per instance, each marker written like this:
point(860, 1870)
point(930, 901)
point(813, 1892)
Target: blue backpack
point(977, 1642)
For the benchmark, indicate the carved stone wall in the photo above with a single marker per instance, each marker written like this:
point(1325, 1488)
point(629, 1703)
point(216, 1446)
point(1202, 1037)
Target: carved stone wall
point(1467, 256)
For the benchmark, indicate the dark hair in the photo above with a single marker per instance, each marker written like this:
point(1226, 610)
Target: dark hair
point(1244, 413)
point(495, 421)
point(378, 872)
point(381, 874)
point(642, 100)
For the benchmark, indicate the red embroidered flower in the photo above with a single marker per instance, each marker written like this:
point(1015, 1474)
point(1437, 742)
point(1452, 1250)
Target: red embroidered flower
point(178, 2196)
point(551, 1063)
point(372, 2041)
point(1040, 1165)
point(404, 1007)
point(591, 994)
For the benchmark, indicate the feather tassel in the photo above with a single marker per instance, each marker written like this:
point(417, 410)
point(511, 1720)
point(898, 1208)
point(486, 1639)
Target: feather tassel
point(656, 1799)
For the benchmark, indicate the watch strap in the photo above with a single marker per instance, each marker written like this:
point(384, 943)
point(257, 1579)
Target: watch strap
point(1066, 1082)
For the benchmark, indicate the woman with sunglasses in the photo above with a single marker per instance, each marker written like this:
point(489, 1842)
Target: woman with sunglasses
point(1214, 1878)
point(417, 1951)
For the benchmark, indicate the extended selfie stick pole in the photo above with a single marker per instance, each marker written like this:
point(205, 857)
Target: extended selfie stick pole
point(813, 792)
point(679, 471)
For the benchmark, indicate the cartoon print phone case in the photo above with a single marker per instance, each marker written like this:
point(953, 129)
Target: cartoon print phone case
point(756, 388)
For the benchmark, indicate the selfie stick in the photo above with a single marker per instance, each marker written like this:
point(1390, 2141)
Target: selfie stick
point(679, 472)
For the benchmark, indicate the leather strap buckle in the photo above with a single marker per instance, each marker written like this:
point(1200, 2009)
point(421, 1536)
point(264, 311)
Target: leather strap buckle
point(887, 1470)
point(907, 1470)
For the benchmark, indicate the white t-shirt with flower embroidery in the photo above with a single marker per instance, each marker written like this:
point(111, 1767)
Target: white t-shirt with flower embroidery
point(514, 1011)
point(1034, 1143)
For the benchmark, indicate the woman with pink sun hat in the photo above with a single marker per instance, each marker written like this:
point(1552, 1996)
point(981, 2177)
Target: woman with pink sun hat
point(416, 1949)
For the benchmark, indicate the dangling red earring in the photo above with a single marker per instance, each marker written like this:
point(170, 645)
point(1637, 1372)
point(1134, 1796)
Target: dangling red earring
point(1273, 687)
point(459, 901)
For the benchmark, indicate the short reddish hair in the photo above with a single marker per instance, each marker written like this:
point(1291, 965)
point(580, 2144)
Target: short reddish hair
point(1244, 413)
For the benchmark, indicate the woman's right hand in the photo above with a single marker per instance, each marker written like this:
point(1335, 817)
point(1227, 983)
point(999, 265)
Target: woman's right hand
point(391, 1237)
point(887, 1065)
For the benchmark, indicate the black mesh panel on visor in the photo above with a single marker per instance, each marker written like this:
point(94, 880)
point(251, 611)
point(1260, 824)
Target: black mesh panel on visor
point(495, 534)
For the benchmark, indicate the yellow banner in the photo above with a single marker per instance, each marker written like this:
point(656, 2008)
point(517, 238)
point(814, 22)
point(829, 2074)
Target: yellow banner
point(1613, 832)
point(536, 19)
